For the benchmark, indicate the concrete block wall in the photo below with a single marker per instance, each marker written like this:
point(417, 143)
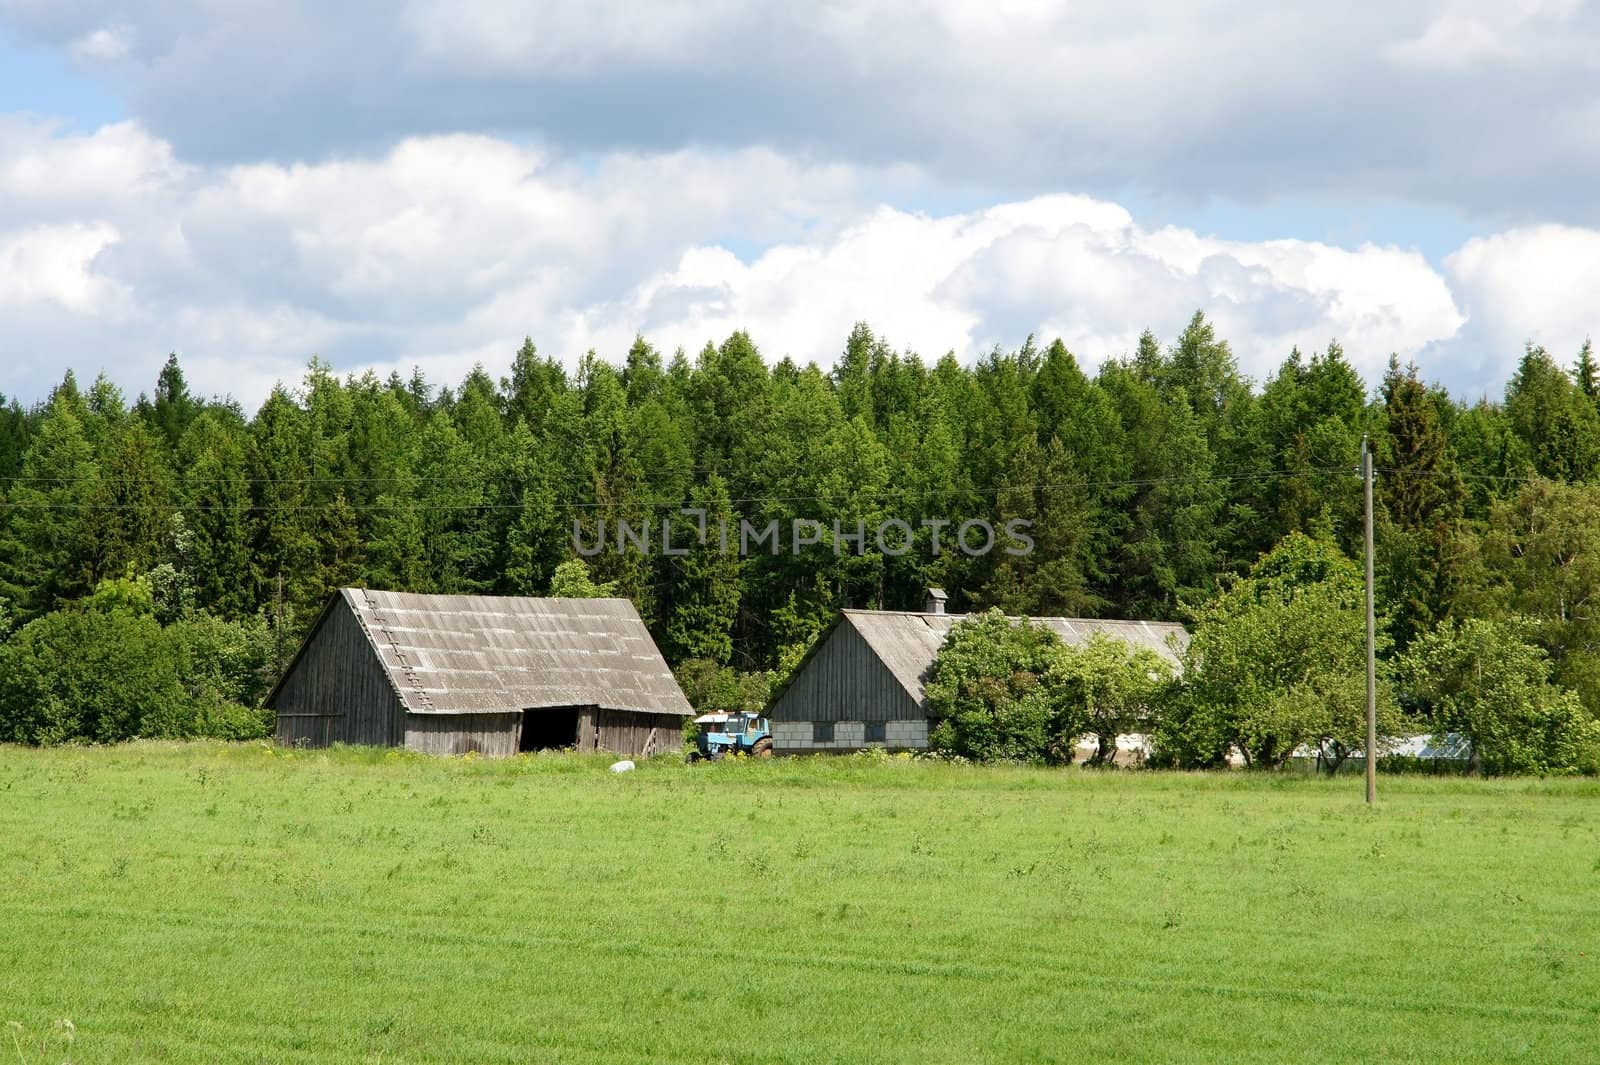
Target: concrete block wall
point(794, 737)
point(908, 734)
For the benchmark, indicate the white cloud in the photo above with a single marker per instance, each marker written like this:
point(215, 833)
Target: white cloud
point(1539, 284)
point(440, 247)
point(55, 265)
point(104, 45)
point(447, 250)
point(1059, 266)
point(47, 173)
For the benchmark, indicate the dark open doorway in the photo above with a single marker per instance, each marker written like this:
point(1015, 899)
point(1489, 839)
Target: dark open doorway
point(548, 730)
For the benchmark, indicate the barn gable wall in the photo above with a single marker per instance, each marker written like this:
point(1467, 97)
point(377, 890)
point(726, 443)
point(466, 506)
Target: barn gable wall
point(845, 680)
point(336, 690)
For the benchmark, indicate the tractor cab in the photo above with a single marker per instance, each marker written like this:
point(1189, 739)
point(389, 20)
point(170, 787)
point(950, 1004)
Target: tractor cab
point(722, 734)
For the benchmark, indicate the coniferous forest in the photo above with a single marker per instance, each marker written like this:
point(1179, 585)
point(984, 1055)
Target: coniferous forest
point(205, 538)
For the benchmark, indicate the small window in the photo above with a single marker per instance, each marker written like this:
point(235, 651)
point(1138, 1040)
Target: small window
point(877, 731)
point(822, 732)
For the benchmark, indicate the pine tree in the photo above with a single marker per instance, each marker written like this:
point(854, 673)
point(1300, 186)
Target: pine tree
point(283, 546)
point(705, 584)
point(853, 373)
point(535, 539)
point(642, 375)
point(1586, 372)
point(15, 426)
point(131, 507)
point(1046, 491)
point(214, 493)
point(48, 553)
point(1173, 550)
point(1308, 424)
point(174, 408)
point(1555, 419)
point(452, 501)
point(1422, 498)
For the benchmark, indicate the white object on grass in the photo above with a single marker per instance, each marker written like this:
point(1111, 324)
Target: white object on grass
point(624, 766)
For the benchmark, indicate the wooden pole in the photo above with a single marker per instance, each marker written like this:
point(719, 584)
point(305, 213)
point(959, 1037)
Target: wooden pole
point(277, 625)
point(1372, 636)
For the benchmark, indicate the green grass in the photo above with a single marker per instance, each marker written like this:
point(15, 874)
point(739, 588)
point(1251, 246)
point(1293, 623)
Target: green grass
point(228, 903)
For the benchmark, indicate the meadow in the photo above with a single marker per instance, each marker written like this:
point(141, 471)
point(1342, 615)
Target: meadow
point(211, 902)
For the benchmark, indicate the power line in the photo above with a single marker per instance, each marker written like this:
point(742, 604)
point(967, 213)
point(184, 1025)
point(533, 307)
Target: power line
point(898, 493)
point(340, 480)
point(669, 504)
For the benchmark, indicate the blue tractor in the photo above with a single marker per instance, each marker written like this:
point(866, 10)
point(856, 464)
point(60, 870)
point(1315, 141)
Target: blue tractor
point(737, 733)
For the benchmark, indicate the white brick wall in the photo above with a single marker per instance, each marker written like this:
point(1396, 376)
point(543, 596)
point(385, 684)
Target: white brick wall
point(795, 736)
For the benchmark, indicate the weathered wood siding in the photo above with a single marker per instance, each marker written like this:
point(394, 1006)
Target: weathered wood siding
point(639, 735)
point(495, 735)
point(336, 690)
point(628, 733)
point(845, 681)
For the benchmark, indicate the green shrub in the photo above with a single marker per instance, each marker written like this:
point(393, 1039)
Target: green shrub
point(87, 674)
point(222, 661)
point(988, 691)
point(104, 670)
point(1489, 680)
point(230, 721)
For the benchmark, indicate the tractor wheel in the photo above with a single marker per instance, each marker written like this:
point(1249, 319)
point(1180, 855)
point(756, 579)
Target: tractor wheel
point(694, 756)
point(763, 748)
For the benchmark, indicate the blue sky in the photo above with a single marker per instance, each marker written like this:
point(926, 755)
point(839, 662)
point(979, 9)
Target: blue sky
point(44, 81)
point(424, 183)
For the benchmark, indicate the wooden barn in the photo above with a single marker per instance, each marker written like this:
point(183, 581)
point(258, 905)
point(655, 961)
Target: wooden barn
point(449, 674)
point(861, 683)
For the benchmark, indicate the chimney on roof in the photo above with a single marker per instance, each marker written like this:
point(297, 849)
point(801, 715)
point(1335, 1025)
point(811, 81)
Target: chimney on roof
point(934, 602)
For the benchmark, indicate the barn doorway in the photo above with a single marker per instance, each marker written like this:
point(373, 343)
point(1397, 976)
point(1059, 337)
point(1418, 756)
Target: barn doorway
point(549, 730)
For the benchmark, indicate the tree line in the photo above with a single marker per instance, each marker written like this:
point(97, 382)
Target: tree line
point(1151, 484)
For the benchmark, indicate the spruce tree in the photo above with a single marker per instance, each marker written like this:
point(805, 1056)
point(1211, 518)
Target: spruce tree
point(1422, 498)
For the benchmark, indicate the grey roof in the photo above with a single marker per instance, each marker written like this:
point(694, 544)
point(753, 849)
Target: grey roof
point(907, 643)
point(1441, 746)
point(463, 654)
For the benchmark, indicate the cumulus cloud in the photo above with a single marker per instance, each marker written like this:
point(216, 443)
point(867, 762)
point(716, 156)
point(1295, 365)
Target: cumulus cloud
point(445, 251)
point(1065, 266)
point(47, 173)
point(54, 265)
point(440, 250)
point(1481, 105)
point(1539, 285)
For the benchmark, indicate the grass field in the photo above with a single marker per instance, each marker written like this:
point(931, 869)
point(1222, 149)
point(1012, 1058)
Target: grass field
point(231, 903)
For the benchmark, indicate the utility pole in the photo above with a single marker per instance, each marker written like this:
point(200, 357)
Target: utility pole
point(1372, 636)
point(277, 624)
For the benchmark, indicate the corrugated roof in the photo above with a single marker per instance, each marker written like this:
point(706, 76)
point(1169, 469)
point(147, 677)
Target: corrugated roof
point(909, 642)
point(463, 654)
